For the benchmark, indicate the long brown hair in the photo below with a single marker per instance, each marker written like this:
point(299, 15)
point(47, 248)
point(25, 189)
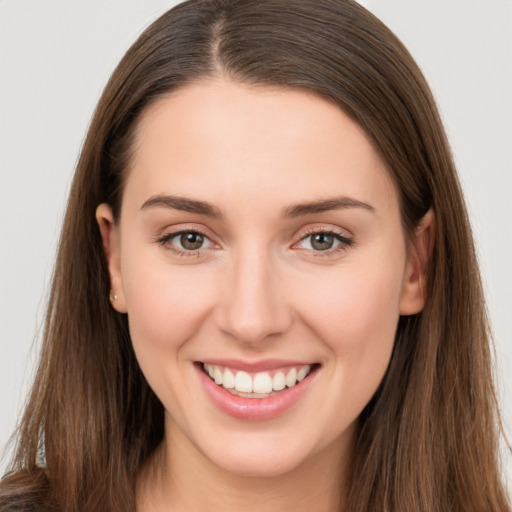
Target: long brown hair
point(428, 439)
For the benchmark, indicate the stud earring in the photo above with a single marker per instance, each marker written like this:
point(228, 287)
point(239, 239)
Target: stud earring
point(113, 298)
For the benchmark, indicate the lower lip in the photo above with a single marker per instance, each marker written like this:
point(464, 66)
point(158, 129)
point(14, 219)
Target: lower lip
point(254, 408)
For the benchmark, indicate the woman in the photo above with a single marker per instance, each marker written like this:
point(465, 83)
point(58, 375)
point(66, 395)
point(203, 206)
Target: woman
point(261, 297)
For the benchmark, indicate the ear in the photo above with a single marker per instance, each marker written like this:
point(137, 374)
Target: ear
point(110, 236)
point(413, 296)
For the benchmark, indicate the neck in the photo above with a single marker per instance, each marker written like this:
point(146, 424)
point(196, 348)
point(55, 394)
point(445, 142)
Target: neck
point(180, 478)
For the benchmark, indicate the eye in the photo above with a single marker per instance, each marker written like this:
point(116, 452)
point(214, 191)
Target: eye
point(324, 241)
point(190, 241)
point(185, 242)
point(321, 241)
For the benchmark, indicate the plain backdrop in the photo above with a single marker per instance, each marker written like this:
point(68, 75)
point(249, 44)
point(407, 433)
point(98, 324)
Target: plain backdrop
point(55, 58)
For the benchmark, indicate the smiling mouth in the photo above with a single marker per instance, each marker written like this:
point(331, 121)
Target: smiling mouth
point(259, 384)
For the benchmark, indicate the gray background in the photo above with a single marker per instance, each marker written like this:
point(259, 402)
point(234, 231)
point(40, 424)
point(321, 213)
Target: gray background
point(55, 58)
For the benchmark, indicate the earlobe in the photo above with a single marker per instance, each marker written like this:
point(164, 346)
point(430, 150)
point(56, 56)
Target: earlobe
point(414, 290)
point(110, 237)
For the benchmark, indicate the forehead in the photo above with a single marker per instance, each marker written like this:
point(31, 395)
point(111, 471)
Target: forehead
point(227, 140)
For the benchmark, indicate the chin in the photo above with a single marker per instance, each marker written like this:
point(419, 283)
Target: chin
point(260, 457)
point(268, 465)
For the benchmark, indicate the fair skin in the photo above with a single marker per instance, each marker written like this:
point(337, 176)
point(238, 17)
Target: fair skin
point(256, 283)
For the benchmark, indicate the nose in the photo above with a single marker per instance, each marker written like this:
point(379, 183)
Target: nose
point(253, 307)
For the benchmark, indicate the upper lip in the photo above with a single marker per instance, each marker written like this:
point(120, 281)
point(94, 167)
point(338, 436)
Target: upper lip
point(256, 366)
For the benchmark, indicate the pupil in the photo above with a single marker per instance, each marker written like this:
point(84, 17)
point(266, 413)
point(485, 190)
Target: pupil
point(322, 242)
point(191, 241)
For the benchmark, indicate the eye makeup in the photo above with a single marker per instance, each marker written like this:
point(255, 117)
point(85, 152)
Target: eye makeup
point(319, 241)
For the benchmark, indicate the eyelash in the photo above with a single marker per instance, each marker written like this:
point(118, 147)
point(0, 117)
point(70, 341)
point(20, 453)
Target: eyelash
point(165, 239)
point(344, 242)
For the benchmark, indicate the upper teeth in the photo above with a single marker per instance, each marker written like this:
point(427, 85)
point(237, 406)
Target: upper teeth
point(261, 382)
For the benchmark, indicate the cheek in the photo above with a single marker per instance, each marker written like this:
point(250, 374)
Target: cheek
point(166, 304)
point(355, 314)
point(355, 305)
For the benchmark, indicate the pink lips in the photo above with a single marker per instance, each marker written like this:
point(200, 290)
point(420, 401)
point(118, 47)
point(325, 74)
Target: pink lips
point(254, 408)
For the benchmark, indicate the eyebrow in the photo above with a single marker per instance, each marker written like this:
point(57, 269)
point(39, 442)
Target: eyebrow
point(298, 210)
point(335, 203)
point(184, 204)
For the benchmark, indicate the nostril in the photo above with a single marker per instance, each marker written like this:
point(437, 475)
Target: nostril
point(251, 308)
point(251, 326)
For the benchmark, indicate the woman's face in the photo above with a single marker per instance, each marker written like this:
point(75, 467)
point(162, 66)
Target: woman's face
point(259, 240)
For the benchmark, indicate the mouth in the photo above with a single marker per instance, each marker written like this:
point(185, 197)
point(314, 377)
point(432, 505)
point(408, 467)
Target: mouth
point(256, 391)
point(258, 385)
